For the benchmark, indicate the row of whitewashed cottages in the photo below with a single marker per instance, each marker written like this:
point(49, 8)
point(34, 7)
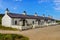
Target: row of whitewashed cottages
point(24, 21)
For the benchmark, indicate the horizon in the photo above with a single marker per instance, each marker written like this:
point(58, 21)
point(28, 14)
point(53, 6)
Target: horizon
point(47, 7)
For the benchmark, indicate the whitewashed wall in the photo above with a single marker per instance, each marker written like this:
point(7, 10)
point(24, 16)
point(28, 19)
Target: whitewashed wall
point(6, 20)
point(10, 22)
point(15, 19)
point(30, 21)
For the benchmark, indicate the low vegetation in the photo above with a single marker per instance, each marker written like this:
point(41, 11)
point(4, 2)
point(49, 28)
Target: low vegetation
point(7, 28)
point(1, 15)
point(58, 21)
point(12, 37)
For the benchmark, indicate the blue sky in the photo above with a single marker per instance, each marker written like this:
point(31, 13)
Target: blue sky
point(47, 7)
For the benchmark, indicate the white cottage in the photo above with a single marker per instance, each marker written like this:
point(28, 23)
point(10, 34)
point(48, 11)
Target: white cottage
point(24, 21)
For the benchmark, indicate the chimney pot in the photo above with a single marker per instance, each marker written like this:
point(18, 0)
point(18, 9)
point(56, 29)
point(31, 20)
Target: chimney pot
point(35, 14)
point(24, 12)
point(7, 11)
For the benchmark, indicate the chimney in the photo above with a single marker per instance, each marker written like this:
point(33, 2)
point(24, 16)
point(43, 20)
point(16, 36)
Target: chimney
point(49, 16)
point(35, 14)
point(6, 11)
point(24, 13)
point(43, 15)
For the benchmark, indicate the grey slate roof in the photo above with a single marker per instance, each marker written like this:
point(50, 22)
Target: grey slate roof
point(14, 15)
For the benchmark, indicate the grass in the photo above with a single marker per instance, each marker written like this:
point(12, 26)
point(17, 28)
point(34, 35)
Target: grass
point(7, 28)
point(12, 37)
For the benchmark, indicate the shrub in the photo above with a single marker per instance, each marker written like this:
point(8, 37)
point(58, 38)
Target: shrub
point(12, 37)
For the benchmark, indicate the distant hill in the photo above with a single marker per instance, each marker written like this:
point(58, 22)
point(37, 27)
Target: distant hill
point(1, 15)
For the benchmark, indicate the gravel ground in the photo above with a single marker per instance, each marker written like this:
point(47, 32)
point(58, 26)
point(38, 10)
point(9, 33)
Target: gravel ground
point(46, 33)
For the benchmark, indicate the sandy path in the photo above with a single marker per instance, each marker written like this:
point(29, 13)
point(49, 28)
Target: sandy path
point(46, 33)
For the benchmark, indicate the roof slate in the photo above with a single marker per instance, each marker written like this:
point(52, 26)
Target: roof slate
point(14, 15)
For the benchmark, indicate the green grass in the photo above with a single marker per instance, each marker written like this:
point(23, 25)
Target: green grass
point(7, 28)
point(12, 37)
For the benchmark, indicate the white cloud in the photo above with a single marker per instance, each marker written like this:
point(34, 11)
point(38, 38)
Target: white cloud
point(18, 0)
point(57, 5)
point(15, 8)
point(1, 5)
point(56, 0)
point(41, 1)
point(57, 8)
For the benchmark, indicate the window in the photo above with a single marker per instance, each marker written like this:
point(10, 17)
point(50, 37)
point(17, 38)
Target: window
point(16, 22)
point(33, 22)
point(38, 22)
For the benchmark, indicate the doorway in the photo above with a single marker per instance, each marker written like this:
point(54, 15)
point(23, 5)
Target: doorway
point(23, 22)
point(16, 22)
